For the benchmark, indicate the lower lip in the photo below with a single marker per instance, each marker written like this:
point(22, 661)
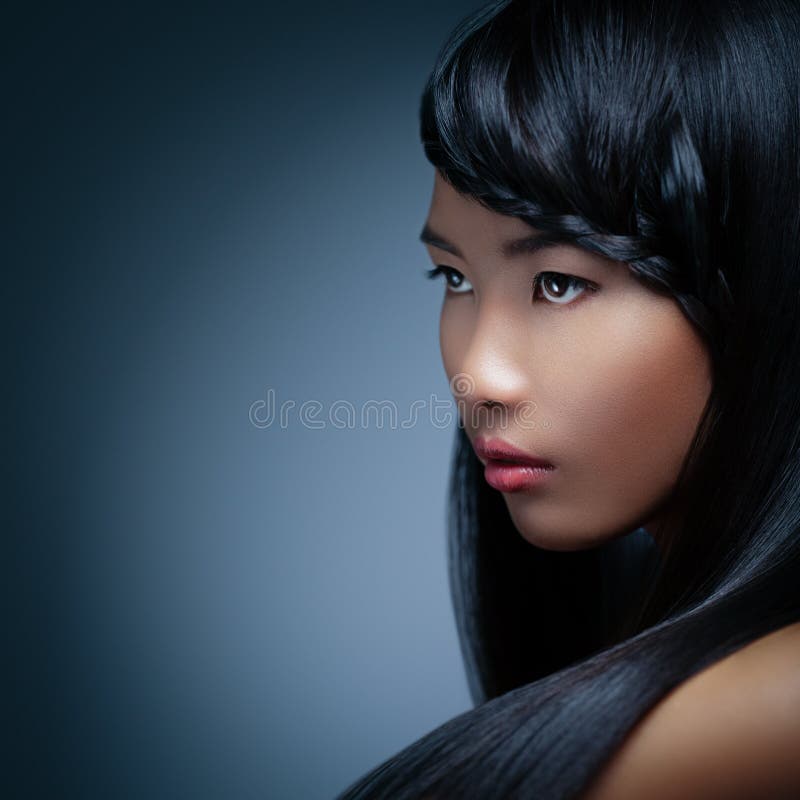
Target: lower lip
point(505, 476)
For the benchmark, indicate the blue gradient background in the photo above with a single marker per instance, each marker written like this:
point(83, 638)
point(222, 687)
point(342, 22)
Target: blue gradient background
point(208, 204)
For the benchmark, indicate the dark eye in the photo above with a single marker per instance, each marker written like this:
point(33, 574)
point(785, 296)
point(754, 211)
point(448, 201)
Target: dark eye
point(455, 281)
point(559, 289)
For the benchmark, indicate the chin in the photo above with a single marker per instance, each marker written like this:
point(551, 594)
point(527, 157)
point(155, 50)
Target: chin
point(554, 534)
point(563, 543)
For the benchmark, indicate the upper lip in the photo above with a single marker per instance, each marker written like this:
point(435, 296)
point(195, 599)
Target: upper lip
point(498, 450)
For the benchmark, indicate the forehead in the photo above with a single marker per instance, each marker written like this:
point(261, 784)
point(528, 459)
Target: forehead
point(456, 215)
point(462, 226)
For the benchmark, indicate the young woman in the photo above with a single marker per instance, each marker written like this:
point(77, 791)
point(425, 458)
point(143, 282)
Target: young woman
point(616, 217)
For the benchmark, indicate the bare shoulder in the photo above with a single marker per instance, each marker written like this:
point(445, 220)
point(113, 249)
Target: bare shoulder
point(730, 732)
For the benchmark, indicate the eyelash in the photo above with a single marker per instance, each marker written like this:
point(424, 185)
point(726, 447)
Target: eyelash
point(537, 280)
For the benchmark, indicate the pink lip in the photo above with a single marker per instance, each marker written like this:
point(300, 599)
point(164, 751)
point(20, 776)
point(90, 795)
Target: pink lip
point(508, 469)
point(498, 450)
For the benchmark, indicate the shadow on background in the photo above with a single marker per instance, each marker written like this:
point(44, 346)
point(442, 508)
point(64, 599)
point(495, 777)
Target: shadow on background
point(210, 204)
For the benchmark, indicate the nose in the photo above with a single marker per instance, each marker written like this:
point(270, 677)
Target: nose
point(493, 380)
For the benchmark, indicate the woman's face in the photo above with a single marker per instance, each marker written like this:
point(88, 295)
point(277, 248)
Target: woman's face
point(594, 373)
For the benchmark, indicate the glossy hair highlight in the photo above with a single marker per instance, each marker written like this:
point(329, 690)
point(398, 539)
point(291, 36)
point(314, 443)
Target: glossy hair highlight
point(665, 135)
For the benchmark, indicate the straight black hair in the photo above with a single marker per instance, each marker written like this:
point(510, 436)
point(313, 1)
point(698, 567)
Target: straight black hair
point(666, 135)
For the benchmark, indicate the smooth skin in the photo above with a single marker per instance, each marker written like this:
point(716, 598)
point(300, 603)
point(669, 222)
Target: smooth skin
point(606, 380)
point(730, 732)
point(618, 379)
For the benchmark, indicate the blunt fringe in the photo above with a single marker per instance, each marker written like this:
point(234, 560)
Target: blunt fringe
point(664, 134)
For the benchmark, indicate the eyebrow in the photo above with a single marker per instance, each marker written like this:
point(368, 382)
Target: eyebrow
point(524, 245)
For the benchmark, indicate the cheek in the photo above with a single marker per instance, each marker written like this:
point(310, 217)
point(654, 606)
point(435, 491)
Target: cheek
point(627, 414)
point(624, 398)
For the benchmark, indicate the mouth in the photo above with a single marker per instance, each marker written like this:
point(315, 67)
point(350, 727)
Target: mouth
point(509, 469)
point(502, 453)
point(510, 476)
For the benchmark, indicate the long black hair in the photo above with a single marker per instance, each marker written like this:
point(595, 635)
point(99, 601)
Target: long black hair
point(664, 134)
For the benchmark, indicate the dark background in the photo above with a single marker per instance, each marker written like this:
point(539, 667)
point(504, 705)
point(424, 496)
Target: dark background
point(206, 203)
